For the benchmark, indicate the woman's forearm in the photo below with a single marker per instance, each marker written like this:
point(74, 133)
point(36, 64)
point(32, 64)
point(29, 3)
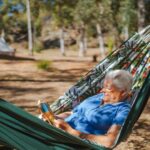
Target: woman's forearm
point(105, 140)
point(63, 115)
point(65, 126)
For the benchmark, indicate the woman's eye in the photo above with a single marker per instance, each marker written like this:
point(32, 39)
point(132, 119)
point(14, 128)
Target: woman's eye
point(107, 90)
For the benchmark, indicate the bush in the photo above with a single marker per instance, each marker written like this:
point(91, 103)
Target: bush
point(44, 65)
point(38, 46)
point(110, 44)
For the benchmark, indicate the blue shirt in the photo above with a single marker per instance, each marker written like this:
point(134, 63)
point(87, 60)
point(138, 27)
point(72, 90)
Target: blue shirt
point(93, 118)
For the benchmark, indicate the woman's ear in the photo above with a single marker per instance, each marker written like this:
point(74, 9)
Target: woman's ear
point(124, 94)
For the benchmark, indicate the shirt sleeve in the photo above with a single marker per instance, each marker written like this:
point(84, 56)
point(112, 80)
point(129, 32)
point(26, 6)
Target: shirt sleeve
point(121, 115)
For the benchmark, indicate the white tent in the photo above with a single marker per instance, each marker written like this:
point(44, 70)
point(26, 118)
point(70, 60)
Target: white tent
point(5, 48)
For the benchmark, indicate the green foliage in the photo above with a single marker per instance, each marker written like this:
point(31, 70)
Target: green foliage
point(11, 18)
point(129, 15)
point(91, 31)
point(44, 65)
point(110, 44)
point(38, 46)
point(63, 12)
point(114, 17)
point(38, 27)
point(85, 11)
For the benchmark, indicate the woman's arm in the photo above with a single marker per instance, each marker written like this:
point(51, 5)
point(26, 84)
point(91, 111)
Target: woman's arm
point(107, 140)
point(63, 115)
point(65, 126)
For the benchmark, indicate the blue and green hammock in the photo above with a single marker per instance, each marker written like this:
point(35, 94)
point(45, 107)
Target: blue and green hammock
point(22, 131)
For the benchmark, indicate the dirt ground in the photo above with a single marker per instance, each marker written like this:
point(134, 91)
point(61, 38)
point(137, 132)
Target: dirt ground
point(23, 84)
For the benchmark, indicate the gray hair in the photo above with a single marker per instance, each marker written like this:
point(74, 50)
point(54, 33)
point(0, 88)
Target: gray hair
point(121, 79)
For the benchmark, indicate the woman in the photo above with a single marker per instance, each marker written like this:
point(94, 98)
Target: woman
point(100, 117)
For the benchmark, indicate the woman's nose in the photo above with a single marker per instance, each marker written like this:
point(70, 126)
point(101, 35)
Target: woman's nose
point(105, 90)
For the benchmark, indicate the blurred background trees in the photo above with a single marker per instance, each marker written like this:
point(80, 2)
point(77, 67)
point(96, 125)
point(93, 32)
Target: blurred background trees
point(64, 23)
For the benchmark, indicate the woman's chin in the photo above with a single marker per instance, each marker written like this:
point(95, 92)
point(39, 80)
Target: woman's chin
point(106, 100)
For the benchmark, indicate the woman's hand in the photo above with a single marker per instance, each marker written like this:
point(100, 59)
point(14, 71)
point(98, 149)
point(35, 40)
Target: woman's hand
point(65, 126)
point(61, 124)
point(63, 115)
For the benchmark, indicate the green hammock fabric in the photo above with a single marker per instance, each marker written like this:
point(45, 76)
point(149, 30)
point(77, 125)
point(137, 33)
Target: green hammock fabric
point(21, 130)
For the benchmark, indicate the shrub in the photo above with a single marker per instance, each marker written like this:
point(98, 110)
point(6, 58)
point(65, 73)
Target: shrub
point(44, 65)
point(38, 46)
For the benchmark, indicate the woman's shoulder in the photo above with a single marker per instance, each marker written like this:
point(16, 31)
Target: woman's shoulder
point(97, 97)
point(92, 100)
point(124, 106)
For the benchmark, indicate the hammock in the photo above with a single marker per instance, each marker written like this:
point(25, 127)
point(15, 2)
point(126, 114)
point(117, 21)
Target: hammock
point(21, 130)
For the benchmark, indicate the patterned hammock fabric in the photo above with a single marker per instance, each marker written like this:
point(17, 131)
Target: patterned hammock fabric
point(133, 55)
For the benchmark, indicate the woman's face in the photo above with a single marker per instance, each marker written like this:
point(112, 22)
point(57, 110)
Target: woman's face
point(111, 93)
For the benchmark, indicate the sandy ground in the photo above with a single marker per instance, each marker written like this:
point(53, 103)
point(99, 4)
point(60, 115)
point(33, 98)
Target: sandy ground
point(23, 84)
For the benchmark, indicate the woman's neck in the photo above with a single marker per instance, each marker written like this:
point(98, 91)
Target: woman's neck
point(122, 99)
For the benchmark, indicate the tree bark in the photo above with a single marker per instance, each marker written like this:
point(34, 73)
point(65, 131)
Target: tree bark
point(3, 33)
point(30, 44)
point(100, 40)
point(62, 41)
point(82, 46)
point(34, 36)
point(126, 32)
point(141, 14)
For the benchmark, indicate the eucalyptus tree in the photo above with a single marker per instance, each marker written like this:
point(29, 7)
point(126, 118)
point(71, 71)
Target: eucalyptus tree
point(84, 14)
point(9, 11)
point(3, 17)
point(128, 17)
point(147, 8)
point(30, 42)
point(102, 22)
point(13, 14)
point(124, 14)
point(33, 9)
point(141, 14)
point(115, 10)
point(63, 17)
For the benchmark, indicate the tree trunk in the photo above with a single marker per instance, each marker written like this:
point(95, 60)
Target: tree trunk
point(82, 46)
point(100, 40)
point(3, 33)
point(34, 36)
point(126, 32)
point(30, 44)
point(85, 44)
point(141, 14)
point(62, 42)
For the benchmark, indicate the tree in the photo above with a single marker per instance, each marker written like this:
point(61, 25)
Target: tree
point(147, 8)
point(84, 14)
point(38, 14)
point(63, 18)
point(103, 14)
point(128, 17)
point(30, 44)
point(115, 7)
point(8, 12)
point(141, 14)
